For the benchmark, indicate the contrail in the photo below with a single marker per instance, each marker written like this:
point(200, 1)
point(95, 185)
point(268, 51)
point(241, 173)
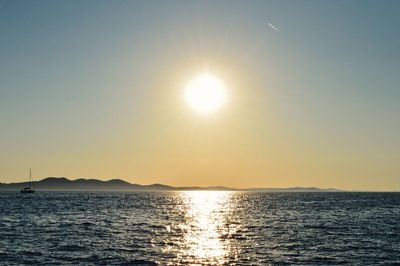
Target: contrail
point(273, 27)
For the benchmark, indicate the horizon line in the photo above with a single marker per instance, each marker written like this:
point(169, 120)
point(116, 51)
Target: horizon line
point(229, 188)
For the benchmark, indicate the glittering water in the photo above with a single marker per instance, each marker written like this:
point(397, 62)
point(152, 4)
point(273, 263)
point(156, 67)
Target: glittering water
point(114, 228)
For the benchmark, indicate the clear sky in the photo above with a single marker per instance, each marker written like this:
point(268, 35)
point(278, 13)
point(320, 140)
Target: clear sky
point(94, 89)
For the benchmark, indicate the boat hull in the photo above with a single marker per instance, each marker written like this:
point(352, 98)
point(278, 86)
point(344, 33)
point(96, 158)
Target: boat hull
point(27, 191)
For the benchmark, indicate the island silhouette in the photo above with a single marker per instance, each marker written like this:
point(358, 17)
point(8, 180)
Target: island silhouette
point(65, 184)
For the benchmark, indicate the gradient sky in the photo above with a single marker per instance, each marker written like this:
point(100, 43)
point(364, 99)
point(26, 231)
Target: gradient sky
point(94, 89)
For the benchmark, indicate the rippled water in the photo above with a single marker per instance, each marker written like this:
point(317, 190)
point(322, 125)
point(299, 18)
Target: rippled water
point(114, 228)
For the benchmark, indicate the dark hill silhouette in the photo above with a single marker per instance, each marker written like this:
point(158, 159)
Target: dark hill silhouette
point(62, 183)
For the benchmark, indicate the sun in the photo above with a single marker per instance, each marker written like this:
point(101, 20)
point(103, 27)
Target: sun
point(205, 94)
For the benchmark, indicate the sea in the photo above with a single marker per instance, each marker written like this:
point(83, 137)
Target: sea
point(199, 228)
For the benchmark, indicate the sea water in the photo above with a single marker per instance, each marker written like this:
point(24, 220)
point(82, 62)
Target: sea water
point(199, 227)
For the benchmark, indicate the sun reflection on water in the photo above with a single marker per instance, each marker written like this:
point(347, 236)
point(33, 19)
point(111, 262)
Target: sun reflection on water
point(205, 227)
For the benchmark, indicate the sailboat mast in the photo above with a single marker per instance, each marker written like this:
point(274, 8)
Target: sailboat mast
point(30, 177)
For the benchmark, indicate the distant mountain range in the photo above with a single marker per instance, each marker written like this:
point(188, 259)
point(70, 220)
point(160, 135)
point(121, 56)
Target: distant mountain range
point(62, 183)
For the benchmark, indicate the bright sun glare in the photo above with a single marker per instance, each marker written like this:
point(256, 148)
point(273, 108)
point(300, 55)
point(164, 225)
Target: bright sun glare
point(205, 94)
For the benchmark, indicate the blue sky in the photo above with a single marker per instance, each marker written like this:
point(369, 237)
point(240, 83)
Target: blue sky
point(97, 81)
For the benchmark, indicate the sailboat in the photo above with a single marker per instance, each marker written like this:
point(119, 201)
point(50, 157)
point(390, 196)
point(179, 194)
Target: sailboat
point(28, 189)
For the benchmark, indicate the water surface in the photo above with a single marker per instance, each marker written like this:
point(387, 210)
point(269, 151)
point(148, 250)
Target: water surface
point(199, 227)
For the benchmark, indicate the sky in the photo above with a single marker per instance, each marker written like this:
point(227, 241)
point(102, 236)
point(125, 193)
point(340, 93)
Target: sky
point(94, 89)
